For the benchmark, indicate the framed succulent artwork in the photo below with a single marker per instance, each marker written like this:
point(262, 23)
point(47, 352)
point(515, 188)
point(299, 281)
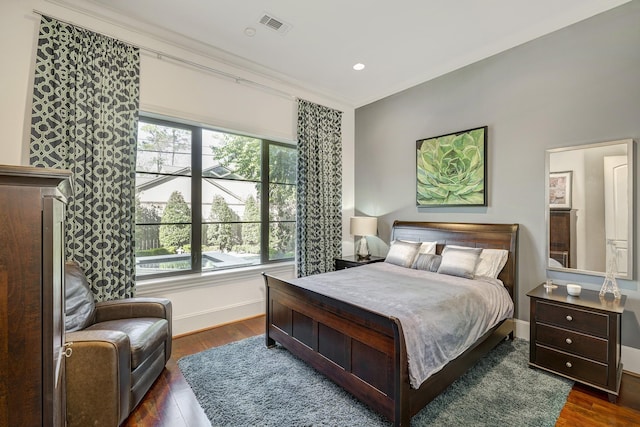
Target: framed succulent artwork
point(451, 170)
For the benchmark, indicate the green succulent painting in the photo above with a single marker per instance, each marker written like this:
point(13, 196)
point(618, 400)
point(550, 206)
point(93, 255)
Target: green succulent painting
point(451, 169)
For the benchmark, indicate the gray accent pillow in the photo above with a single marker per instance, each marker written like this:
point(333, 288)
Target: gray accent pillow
point(427, 262)
point(459, 261)
point(79, 304)
point(402, 253)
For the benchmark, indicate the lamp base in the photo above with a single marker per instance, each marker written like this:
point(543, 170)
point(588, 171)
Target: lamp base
point(363, 249)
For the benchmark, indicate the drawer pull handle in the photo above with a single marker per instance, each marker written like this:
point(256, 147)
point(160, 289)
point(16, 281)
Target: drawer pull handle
point(568, 364)
point(568, 341)
point(569, 318)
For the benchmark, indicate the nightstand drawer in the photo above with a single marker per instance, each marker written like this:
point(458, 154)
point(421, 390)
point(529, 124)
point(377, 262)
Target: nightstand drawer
point(573, 342)
point(572, 366)
point(573, 318)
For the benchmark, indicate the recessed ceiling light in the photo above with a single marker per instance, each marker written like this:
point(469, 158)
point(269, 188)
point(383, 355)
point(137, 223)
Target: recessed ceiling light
point(358, 67)
point(250, 31)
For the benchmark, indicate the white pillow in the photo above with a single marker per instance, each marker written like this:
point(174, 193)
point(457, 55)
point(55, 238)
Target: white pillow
point(459, 261)
point(427, 248)
point(491, 263)
point(402, 253)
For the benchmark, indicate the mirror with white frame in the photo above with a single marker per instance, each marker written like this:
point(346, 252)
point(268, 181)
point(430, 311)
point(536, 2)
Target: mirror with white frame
point(589, 208)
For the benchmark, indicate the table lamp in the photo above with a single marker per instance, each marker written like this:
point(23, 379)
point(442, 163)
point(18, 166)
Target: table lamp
point(363, 226)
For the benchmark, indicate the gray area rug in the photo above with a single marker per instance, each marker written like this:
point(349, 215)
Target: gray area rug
point(244, 384)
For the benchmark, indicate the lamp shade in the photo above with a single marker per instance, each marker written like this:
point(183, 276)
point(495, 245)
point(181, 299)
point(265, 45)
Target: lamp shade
point(364, 226)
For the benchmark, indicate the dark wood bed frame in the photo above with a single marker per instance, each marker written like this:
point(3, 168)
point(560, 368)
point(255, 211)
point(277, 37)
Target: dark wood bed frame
point(364, 352)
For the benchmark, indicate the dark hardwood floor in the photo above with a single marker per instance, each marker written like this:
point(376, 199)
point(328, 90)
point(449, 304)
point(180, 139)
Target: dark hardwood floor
point(171, 403)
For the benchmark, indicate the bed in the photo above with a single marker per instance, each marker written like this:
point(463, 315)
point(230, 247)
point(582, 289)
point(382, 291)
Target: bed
point(365, 351)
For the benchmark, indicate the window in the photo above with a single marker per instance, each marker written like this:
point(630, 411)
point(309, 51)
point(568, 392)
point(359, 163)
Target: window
point(209, 200)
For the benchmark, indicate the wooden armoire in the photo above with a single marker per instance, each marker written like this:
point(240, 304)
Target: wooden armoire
point(32, 202)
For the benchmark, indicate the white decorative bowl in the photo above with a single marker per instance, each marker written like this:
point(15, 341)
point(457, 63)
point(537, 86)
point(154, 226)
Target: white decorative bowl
point(574, 289)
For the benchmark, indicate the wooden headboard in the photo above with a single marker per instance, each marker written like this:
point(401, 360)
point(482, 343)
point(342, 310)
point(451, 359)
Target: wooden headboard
point(494, 236)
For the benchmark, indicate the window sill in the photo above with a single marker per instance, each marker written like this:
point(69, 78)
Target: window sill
point(210, 278)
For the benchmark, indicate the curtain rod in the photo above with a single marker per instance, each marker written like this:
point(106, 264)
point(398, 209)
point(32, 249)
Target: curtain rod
point(162, 55)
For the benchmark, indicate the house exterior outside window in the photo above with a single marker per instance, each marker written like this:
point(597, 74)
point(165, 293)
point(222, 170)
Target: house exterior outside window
point(210, 200)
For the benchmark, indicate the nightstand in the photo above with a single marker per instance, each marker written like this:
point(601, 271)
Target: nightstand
point(353, 261)
point(577, 337)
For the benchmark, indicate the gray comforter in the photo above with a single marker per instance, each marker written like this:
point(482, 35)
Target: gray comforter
point(441, 315)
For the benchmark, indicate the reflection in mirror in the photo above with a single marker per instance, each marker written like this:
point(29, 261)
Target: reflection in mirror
point(590, 204)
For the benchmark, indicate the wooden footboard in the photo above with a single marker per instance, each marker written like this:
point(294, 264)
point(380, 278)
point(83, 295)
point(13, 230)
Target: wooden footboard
point(358, 349)
point(361, 351)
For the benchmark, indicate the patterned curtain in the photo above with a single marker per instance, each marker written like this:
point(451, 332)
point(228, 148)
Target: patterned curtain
point(84, 118)
point(319, 205)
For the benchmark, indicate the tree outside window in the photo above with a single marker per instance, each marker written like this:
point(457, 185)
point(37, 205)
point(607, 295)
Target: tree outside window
point(207, 199)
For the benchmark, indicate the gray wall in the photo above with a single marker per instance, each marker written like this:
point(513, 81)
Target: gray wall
point(575, 86)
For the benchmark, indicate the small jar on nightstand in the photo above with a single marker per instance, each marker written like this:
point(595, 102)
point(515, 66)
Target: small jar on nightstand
point(354, 261)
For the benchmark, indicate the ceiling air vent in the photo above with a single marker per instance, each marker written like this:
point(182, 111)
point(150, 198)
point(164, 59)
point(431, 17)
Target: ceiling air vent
point(268, 20)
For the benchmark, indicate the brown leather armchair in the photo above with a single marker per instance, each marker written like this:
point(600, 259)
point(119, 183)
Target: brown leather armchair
point(118, 349)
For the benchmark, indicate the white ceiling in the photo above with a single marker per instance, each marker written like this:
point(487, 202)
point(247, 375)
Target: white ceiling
point(401, 42)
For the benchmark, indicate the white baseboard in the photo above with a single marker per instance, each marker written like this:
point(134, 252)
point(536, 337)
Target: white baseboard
point(631, 359)
point(218, 316)
point(522, 329)
point(630, 355)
